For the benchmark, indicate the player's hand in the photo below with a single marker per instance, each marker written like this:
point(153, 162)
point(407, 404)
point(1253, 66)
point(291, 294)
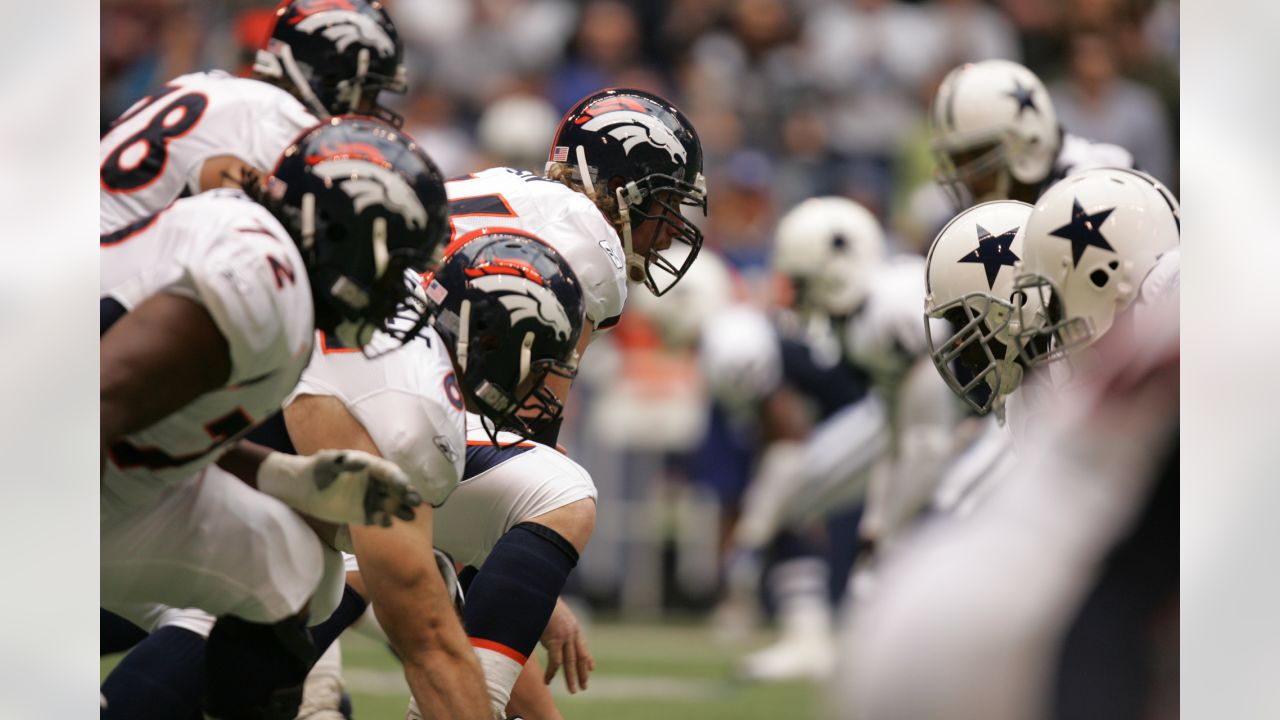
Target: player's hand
point(566, 645)
point(340, 486)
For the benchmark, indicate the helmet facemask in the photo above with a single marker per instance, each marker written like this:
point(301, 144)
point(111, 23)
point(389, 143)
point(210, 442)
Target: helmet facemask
point(326, 95)
point(354, 312)
point(527, 412)
point(1047, 331)
point(982, 165)
point(666, 196)
point(978, 361)
point(360, 94)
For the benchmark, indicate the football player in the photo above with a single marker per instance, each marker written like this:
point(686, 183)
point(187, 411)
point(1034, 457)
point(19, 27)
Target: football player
point(622, 167)
point(202, 130)
point(507, 312)
point(898, 426)
point(996, 136)
point(969, 275)
point(768, 373)
point(208, 312)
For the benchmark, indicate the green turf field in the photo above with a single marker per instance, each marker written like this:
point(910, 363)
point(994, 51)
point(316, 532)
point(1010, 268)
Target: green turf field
point(669, 671)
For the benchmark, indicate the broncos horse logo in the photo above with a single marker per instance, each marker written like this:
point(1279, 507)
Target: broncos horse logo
point(344, 27)
point(632, 128)
point(523, 297)
point(370, 184)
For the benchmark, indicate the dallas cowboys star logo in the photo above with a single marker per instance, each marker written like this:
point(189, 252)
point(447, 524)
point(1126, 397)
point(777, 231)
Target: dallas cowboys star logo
point(1084, 230)
point(993, 253)
point(1024, 97)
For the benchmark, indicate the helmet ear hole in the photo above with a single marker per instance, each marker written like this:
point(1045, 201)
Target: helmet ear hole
point(1099, 278)
point(1114, 264)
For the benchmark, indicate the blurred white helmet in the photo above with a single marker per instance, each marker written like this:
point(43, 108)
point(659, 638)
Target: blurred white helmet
point(829, 246)
point(969, 283)
point(516, 131)
point(740, 356)
point(993, 123)
point(1091, 240)
point(705, 290)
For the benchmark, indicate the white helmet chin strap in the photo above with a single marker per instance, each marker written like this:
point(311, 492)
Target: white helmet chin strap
point(526, 356)
point(308, 221)
point(587, 184)
point(381, 255)
point(634, 261)
point(362, 69)
point(464, 332)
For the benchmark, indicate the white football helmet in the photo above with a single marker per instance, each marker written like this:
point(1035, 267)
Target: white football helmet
point(993, 123)
point(705, 290)
point(969, 283)
point(1091, 240)
point(829, 246)
point(740, 356)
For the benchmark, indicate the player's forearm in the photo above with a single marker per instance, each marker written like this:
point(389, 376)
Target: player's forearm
point(439, 665)
point(409, 599)
point(447, 684)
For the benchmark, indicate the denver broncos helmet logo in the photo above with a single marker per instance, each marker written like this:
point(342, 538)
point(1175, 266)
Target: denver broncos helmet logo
point(370, 184)
point(631, 128)
point(521, 293)
point(345, 27)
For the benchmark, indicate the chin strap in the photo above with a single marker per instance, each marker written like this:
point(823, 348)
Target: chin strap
point(278, 62)
point(634, 261)
point(587, 184)
point(464, 334)
point(526, 357)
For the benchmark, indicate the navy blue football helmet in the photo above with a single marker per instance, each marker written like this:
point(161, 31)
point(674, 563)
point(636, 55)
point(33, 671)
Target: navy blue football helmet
point(511, 309)
point(367, 207)
point(335, 56)
point(641, 150)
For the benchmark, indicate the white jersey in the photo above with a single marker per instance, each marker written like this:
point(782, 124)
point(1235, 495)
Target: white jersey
point(567, 220)
point(408, 400)
point(886, 335)
point(1160, 288)
point(229, 254)
point(154, 153)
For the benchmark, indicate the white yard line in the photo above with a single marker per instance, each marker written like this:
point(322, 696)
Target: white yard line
point(603, 687)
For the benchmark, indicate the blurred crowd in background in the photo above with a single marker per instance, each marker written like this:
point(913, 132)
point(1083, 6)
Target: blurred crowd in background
point(791, 98)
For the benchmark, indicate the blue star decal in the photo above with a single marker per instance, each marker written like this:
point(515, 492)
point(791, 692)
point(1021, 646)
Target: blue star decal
point(1026, 101)
point(1084, 230)
point(993, 253)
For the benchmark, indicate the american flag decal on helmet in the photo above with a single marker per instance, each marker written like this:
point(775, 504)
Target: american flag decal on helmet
point(560, 154)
